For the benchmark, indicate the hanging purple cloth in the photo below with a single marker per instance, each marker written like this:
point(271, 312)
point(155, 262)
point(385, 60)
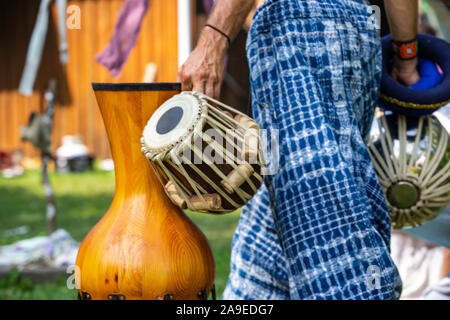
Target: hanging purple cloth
point(125, 35)
point(207, 5)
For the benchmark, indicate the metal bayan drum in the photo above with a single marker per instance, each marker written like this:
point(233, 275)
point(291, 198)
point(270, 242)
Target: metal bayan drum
point(207, 155)
point(411, 157)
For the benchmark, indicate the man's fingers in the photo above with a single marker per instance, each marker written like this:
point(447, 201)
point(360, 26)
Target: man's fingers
point(199, 86)
point(185, 78)
point(186, 83)
point(186, 86)
point(213, 86)
point(201, 81)
point(217, 89)
point(210, 89)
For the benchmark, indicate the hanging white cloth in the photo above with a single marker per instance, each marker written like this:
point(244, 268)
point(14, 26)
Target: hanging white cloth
point(36, 45)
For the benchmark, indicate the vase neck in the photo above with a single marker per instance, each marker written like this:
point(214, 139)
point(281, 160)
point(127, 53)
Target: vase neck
point(125, 114)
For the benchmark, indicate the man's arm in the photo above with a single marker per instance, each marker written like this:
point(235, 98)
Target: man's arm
point(203, 70)
point(403, 18)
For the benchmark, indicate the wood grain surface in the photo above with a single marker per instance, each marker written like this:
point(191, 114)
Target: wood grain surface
point(76, 111)
point(144, 247)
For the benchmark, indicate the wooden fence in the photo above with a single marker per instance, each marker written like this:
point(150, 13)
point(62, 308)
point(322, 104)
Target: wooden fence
point(76, 108)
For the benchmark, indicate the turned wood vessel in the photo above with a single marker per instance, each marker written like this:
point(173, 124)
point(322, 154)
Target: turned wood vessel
point(144, 247)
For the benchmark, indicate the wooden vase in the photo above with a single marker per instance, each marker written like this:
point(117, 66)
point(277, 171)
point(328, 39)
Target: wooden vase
point(144, 247)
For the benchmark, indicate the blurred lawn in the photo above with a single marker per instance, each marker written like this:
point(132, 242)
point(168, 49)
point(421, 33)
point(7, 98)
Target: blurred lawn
point(81, 200)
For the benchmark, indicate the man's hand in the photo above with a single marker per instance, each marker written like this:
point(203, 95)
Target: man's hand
point(403, 16)
point(405, 71)
point(203, 70)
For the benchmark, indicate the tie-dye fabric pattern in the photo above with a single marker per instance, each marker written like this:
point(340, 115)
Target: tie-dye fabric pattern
point(320, 227)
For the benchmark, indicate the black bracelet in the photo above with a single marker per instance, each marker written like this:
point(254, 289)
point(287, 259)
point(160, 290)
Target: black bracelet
point(221, 32)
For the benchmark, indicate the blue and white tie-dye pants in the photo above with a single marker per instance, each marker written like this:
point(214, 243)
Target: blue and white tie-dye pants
point(319, 228)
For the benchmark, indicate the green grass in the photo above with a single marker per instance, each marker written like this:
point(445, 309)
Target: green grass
point(13, 287)
point(81, 200)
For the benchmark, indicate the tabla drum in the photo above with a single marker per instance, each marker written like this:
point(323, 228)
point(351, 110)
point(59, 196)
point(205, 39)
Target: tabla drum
point(207, 155)
point(411, 156)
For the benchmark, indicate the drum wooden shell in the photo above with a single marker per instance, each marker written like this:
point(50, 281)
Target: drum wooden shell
point(144, 247)
point(411, 156)
point(214, 167)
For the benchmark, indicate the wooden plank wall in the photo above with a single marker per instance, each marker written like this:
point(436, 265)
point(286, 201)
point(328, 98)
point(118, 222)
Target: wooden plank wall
point(76, 109)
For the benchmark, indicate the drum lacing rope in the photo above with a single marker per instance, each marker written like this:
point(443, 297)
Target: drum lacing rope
point(234, 122)
point(231, 142)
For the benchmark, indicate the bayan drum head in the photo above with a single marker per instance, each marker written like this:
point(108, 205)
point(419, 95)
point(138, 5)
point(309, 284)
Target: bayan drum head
point(172, 122)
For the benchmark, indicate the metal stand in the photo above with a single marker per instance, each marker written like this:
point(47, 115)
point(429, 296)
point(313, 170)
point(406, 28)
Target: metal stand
point(47, 120)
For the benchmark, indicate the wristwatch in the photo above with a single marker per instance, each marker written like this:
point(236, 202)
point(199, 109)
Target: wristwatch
point(406, 50)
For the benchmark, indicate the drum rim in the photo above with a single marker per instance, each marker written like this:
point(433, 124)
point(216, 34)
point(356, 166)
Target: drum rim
point(202, 111)
point(136, 86)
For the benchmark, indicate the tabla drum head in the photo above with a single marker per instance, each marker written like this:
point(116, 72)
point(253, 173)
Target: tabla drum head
point(172, 122)
point(411, 156)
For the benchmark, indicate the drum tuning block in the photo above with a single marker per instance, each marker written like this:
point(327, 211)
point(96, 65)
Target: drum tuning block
point(237, 177)
point(206, 202)
point(173, 194)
